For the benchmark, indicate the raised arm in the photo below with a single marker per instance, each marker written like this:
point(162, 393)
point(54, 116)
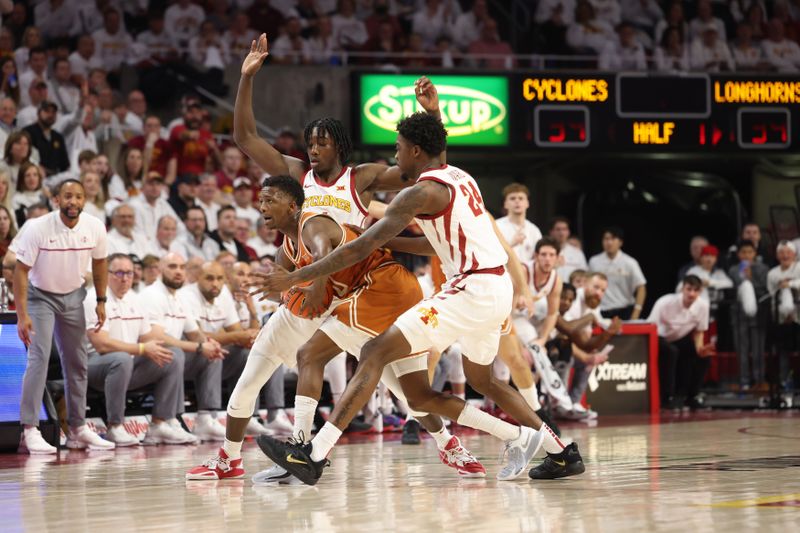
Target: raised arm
point(244, 121)
point(376, 177)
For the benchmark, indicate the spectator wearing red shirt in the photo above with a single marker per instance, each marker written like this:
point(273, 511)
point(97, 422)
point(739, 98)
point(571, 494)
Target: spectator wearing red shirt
point(156, 151)
point(231, 169)
point(192, 147)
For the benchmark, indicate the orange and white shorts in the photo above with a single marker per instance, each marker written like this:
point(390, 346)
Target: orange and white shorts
point(372, 308)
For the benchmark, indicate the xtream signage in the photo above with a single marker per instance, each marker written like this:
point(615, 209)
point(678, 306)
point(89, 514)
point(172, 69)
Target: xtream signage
point(621, 385)
point(474, 108)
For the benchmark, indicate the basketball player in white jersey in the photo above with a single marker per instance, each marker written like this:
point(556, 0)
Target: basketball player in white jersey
point(470, 309)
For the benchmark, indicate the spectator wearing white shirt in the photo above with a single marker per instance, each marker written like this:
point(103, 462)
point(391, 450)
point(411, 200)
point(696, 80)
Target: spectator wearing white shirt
point(681, 319)
point(349, 33)
point(714, 279)
point(183, 18)
point(625, 53)
point(159, 43)
point(431, 21)
point(31, 38)
point(696, 246)
point(150, 206)
point(112, 41)
point(625, 278)
point(90, 15)
point(570, 257)
point(588, 301)
point(264, 241)
point(705, 18)
point(173, 323)
point(239, 36)
point(780, 53)
point(710, 53)
point(195, 242)
point(291, 48)
point(747, 55)
point(53, 255)
point(322, 43)
point(166, 233)
point(783, 284)
point(643, 14)
point(37, 71)
point(123, 238)
point(207, 193)
point(672, 55)
point(608, 11)
point(56, 18)
point(588, 34)
point(243, 200)
point(208, 49)
point(520, 233)
point(65, 93)
point(218, 319)
point(125, 354)
point(470, 23)
point(83, 59)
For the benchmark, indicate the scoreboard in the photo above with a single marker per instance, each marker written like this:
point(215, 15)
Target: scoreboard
point(643, 112)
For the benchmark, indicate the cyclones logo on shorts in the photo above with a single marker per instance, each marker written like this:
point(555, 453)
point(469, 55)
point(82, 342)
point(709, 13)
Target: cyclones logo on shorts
point(428, 316)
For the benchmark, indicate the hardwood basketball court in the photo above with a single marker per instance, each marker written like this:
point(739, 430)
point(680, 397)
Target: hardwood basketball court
point(721, 471)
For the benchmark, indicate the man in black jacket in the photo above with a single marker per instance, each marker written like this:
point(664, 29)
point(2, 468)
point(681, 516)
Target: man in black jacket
point(225, 234)
point(50, 143)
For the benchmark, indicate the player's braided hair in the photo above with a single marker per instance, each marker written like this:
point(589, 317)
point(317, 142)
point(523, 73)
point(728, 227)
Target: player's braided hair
point(334, 129)
point(287, 185)
point(424, 130)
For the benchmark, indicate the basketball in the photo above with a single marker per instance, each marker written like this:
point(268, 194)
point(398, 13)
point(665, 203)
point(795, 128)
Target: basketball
point(294, 299)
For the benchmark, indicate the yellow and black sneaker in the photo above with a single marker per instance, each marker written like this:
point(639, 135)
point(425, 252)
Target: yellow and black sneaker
point(558, 465)
point(294, 457)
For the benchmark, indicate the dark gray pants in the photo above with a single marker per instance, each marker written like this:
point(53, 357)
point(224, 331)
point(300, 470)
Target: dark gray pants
point(118, 372)
point(59, 317)
point(207, 376)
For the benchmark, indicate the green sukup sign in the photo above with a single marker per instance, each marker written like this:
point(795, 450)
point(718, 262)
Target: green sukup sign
point(474, 108)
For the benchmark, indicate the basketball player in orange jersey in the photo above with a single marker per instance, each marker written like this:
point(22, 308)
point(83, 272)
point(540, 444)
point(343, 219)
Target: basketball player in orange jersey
point(470, 309)
point(370, 295)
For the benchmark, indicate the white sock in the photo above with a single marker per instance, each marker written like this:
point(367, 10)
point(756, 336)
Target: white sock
point(324, 442)
point(551, 443)
point(461, 395)
point(475, 418)
point(304, 409)
point(531, 397)
point(232, 449)
point(442, 437)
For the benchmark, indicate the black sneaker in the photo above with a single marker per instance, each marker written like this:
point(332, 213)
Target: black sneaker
point(411, 432)
point(357, 426)
point(557, 465)
point(545, 416)
point(295, 458)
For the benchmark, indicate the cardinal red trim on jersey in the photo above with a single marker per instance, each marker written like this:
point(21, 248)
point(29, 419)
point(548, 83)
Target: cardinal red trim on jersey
point(354, 193)
point(331, 184)
point(447, 209)
point(462, 248)
point(537, 287)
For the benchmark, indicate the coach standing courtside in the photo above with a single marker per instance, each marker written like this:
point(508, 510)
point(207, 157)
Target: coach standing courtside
point(55, 253)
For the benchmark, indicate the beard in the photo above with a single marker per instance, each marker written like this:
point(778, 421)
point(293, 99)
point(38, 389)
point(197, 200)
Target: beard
point(65, 212)
point(172, 284)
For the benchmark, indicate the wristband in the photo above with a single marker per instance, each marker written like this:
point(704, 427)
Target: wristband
point(199, 348)
point(141, 348)
point(102, 299)
point(638, 307)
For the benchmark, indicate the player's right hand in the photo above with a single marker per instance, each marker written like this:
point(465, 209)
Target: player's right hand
point(25, 329)
point(259, 50)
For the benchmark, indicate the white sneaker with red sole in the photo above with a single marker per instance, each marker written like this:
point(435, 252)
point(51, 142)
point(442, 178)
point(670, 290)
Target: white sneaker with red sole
point(219, 467)
point(456, 456)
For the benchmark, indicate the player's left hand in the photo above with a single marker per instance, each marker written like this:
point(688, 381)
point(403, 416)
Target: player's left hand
point(278, 280)
point(427, 95)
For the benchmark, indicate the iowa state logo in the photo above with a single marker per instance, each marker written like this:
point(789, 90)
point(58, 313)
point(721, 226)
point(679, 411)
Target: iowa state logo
point(428, 316)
